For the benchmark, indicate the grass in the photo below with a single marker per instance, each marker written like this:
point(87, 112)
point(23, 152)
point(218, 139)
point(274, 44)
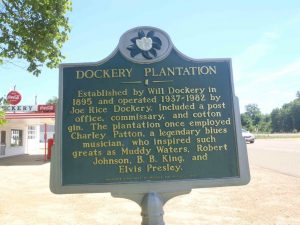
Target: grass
point(277, 135)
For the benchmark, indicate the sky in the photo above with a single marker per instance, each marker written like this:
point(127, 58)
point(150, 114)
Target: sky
point(261, 37)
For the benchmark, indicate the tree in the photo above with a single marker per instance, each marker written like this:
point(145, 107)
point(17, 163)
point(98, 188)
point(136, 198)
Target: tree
point(276, 120)
point(264, 124)
point(246, 122)
point(2, 113)
point(295, 114)
point(253, 117)
point(34, 31)
point(53, 100)
point(254, 113)
point(2, 117)
point(253, 120)
point(287, 118)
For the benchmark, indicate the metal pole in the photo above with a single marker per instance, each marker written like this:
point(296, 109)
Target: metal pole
point(152, 204)
point(45, 139)
point(152, 210)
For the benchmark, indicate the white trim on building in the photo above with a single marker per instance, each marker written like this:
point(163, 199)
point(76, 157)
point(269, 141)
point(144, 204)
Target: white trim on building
point(21, 133)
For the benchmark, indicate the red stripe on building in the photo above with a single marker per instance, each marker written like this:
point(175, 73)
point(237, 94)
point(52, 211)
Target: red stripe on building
point(32, 115)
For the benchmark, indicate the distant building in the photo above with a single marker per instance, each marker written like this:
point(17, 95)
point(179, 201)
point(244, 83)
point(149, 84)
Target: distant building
point(26, 132)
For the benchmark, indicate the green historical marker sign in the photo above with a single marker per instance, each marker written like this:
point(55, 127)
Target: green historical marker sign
point(147, 118)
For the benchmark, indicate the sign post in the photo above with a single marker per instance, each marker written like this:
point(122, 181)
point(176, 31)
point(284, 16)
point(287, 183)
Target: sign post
point(147, 123)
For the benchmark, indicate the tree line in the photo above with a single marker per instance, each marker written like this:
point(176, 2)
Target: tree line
point(280, 120)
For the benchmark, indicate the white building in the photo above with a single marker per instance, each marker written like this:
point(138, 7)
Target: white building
point(26, 132)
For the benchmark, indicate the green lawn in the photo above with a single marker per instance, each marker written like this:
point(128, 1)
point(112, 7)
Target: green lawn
point(278, 135)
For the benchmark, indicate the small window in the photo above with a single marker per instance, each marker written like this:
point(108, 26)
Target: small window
point(31, 132)
point(3, 137)
point(16, 138)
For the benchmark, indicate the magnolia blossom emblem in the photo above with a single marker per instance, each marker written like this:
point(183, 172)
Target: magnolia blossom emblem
point(145, 44)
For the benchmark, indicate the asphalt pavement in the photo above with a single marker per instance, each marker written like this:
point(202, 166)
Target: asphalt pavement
point(280, 155)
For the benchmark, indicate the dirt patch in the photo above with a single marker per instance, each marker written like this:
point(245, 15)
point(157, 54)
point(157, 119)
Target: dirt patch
point(270, 199)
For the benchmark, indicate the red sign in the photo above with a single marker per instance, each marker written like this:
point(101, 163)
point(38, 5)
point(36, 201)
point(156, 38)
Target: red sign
point(46, 108)
point(13, 97)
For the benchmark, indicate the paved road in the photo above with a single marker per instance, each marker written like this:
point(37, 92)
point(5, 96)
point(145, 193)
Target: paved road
point(281, 155)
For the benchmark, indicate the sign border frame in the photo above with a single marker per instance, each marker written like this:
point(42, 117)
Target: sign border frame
point(149, 186)
point(146, 186)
